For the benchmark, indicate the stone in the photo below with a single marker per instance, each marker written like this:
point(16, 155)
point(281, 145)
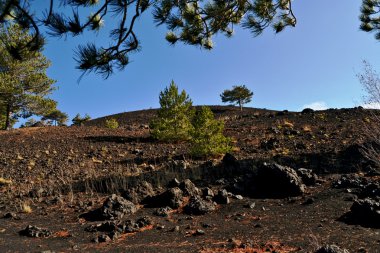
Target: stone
point(140, 194)
point(199, 206)
point(199, 232)
point(102, 238)
point(366, 211)
point(207, 192)
point(308, 177)
point(222, 197)
point(163, 211)
point(172, 198)
point(33, 231)
point(189, 188)
point(116, 207)
point(250, 205)
point(274, 180)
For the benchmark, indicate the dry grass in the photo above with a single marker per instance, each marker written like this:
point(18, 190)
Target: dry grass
point(288, 124)
point(26, 208)
point(4, 181)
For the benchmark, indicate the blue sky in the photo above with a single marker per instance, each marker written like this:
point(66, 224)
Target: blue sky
point(315, 62)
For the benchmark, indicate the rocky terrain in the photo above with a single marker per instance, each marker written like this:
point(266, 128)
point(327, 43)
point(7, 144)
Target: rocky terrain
point(295, 182)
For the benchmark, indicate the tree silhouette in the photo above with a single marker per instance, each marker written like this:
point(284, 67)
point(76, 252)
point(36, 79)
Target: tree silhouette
point(238, 95)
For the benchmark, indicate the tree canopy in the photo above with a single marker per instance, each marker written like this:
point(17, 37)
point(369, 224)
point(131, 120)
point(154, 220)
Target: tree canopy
point(24, 85)
point(190, 22)
point(239, 95)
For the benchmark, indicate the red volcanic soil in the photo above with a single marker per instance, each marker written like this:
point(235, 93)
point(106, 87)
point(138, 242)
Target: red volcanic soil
point(64, 172)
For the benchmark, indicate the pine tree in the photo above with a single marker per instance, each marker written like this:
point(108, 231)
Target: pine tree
point(188, 21)
point(207, 137)
point(24, 85)
point(59, 118)
point(239, 95)
point(79, 120)
point(174, 117)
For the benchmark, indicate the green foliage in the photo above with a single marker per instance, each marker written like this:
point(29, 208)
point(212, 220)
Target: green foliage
point(59, 118)
point(29, 123)
point(369, 17)
point(188, 21)
point(238, 95)
point(207, 135)
point(78, 120)
point(111, 123)
point(174, 117)
point(24, 85)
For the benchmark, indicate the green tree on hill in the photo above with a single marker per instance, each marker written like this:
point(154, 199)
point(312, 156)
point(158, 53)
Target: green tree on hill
point(207, 137)
point(24, 85)
point(174, 116)
point(59, 118)
point(239, 95)
point(79, 120)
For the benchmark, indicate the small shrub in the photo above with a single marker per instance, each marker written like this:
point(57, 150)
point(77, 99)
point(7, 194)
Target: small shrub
point(207, 137)
point(111, 123)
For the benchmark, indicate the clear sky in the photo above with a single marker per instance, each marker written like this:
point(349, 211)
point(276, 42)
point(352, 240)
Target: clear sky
point(313, 63)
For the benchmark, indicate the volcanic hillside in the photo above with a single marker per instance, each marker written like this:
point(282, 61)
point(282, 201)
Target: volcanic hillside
point(63, 172)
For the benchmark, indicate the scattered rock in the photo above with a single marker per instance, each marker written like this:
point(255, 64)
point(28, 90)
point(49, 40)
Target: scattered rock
point(113, 208)
point(102, 238)
point(308, 177)
point(250, 205)
point(331, 249)
point(163, 211)
point(207, 192)
point(107, 226)
point(199, 232)
point(33, 231)
point(140, 194)
point(173, 198)
point(143, 222)
point(350, 181)
point(366, 211)
point(274, 180)
point(189, 188)
point(11, 215)
point(199, 206)
point(222, 197)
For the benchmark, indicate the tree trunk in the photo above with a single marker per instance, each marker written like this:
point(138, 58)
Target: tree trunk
point(241, 106)
point(7, 117)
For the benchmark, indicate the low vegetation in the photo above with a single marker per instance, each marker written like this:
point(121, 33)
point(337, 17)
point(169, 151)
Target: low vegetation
point(207, 137)
point(178, 121)
point(111, 123)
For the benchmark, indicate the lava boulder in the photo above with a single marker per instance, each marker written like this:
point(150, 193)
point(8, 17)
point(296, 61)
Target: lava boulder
point(277, 181)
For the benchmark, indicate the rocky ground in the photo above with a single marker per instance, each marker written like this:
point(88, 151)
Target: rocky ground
point(295, 182)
